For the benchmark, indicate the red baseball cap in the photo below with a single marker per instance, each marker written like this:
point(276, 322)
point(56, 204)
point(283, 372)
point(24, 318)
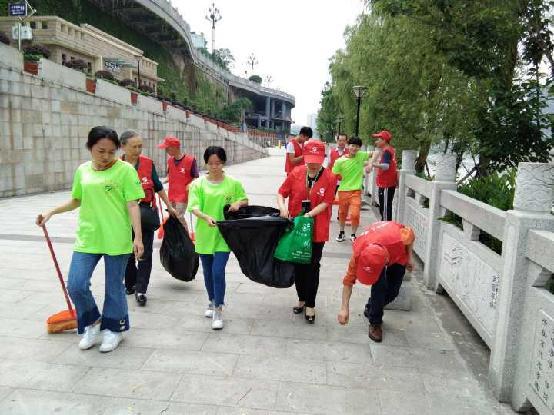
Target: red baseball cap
point(170, 141)
point(314, 151)
point(372, 259)
point(384, 135)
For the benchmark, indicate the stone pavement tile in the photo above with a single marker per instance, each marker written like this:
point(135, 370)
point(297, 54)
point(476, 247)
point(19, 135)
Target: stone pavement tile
point(175, 338)
point(439, 360)
point(453, 384)
point(142, 384)
point(29, 329)
point(123, 357)
point(328, 351)
point(36, 350)
point(24, 311)
point(9, 283)
point(427, 339)
point(28, 401)
point(447, 403)
point(4, 391)
point(295, 328)
point(262, 366)
point(399, 402)
point(354, 332)
point(233, 325)
point(201, 363)
point(145, 320)
point(225, 410)
point(12, 295)
point(40, 375)
point(227, 391)
point(359, 376)
point(390, 356)
point(221, 342)
point(325, 399)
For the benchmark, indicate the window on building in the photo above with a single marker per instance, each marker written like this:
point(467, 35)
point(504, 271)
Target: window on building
point(45, 25)
point(33, 25)
point(64, 58)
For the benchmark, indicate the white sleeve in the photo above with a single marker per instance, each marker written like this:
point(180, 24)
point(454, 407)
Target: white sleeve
point(290, 148)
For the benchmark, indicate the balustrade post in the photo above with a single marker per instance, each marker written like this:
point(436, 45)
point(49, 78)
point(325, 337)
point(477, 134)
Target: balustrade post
point(445, 179)
point(532, 210)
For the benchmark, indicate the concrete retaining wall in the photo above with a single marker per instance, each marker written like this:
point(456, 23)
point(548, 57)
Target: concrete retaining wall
point(45, 121)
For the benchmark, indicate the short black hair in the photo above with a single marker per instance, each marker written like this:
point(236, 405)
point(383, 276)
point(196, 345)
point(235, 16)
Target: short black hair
point(218, 151)
point(343, 135)
point(98, 133)
point(306, 132)
point(355, 141)
point(127, 135)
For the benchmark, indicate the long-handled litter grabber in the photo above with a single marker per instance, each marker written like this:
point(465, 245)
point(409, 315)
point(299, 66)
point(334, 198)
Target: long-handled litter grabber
point(66, 319)
point(162, 219)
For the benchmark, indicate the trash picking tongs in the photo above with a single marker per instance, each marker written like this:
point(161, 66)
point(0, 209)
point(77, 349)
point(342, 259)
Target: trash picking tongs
point(66, 319)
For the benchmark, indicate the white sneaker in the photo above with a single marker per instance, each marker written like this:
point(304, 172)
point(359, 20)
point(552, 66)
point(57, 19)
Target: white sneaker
point(209, 313)
point(110, 341)
point(217, 320)
point(90, 337)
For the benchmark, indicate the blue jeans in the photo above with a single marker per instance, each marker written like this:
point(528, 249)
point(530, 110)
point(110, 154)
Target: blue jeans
point(114, 315)
point(214, 276)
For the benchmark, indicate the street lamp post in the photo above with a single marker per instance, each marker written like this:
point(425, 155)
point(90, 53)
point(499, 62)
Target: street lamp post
point(359, 92)
point(213, 16)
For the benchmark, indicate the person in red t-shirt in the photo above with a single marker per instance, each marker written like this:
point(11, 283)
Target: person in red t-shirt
point(380, 258)
point(387, 172)
point(294, 149)
point(311, 187)
point(181, 171)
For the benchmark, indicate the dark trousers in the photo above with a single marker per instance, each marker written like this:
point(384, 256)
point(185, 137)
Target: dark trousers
point(306, 276)
point(137, 273)
point(384, 291)
point(386, 195)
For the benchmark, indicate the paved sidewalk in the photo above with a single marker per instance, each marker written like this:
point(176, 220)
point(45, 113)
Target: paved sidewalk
point(265, 361)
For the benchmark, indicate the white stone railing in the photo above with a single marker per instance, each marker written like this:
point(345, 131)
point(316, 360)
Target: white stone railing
point(504, 296)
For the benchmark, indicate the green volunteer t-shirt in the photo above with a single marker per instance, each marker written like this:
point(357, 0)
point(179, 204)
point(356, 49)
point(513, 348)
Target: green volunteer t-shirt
point(351, 169)
point(210, 199)
point(104, 225)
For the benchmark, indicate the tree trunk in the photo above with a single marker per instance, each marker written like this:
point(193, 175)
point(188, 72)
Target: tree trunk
point(422, 157)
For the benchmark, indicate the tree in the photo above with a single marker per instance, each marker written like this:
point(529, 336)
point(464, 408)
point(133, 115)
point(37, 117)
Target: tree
point(224, 58)
point(327, 115)
point(256, 78)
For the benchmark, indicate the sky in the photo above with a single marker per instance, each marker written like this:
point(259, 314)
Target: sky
point(291, 39)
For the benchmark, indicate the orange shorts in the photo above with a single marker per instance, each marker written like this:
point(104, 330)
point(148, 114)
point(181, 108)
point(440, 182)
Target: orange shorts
point(350, 201)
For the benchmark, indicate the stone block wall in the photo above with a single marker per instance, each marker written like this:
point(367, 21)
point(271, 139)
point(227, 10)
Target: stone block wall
point(45, 124)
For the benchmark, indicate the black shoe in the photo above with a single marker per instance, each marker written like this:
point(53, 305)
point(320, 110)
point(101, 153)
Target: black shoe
point(129, 291)
point(141, 299)
point(298, 310)
point(309, 319)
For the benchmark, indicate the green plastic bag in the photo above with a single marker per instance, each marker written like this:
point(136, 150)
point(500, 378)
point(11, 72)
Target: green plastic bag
point(296, 244)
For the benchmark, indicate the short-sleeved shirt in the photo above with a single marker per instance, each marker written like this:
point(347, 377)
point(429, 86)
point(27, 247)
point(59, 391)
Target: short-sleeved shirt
point(104, 225)
point(392, 236)
point(210, 198)
point(351, 170)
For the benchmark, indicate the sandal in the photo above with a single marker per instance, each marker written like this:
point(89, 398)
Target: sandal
point(298, 310)
point(309, 319)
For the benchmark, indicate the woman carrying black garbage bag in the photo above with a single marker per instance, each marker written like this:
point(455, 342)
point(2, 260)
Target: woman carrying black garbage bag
point(208, 196)
point(309, 188)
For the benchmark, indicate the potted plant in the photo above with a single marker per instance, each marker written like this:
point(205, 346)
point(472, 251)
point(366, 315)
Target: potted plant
point(4, 39)
point(130, 85)
point(78, 64)
point(32, 55)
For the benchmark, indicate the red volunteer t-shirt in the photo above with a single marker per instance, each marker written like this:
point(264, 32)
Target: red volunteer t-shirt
point(296, 190)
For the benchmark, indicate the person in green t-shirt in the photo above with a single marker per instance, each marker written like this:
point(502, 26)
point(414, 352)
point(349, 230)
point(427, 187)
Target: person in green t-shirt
point(207, 197)
point(107, 191)
point(350, 169)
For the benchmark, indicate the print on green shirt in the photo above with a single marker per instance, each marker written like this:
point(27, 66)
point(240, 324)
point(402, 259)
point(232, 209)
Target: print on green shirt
point(104, 225)
point(210, 199)
point(351, 169)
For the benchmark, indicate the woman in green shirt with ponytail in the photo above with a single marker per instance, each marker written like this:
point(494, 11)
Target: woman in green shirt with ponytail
point(207, 197)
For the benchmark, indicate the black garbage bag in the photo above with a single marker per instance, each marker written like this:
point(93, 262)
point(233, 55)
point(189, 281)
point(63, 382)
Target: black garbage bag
point(177, 251)
point(252, 233)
